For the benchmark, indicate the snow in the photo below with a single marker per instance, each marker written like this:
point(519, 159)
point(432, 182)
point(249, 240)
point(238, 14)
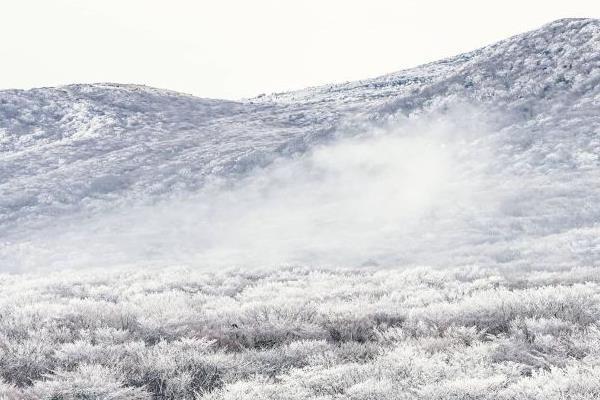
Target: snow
point(210, 182)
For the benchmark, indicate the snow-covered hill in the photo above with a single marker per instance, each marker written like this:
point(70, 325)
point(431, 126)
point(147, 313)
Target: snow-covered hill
point(489, 157)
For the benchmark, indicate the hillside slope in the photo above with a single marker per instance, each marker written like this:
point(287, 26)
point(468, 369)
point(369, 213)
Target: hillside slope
point(520, 118)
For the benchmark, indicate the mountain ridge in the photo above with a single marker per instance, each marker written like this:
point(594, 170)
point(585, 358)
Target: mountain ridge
point(554, 26)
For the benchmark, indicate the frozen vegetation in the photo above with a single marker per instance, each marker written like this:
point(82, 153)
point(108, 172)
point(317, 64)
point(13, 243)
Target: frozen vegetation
point(429, 234)
point(299, 333)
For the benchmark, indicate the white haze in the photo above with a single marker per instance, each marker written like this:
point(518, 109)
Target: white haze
point(386, 196)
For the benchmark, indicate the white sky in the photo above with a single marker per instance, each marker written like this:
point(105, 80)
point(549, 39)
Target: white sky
point(240, 48)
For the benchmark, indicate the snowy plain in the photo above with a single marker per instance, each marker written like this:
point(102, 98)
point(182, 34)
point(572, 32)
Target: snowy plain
point(432, 233)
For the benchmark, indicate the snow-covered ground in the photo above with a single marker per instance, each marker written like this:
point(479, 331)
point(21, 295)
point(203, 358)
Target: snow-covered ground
point(484, 168)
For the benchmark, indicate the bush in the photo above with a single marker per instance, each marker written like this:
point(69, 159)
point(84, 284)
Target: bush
point(86, 382)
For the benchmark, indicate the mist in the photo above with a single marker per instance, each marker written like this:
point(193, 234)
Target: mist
point(402, 194)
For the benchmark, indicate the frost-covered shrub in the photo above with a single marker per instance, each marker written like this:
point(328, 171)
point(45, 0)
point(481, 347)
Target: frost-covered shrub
point(464, 388)
point(175, 370)
point(10, 392)
point(494, 310)
point(69, 355)
point(86, 382)
point(344, 329)
point(273, 361)
point(575, 382)
point(24, 361)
